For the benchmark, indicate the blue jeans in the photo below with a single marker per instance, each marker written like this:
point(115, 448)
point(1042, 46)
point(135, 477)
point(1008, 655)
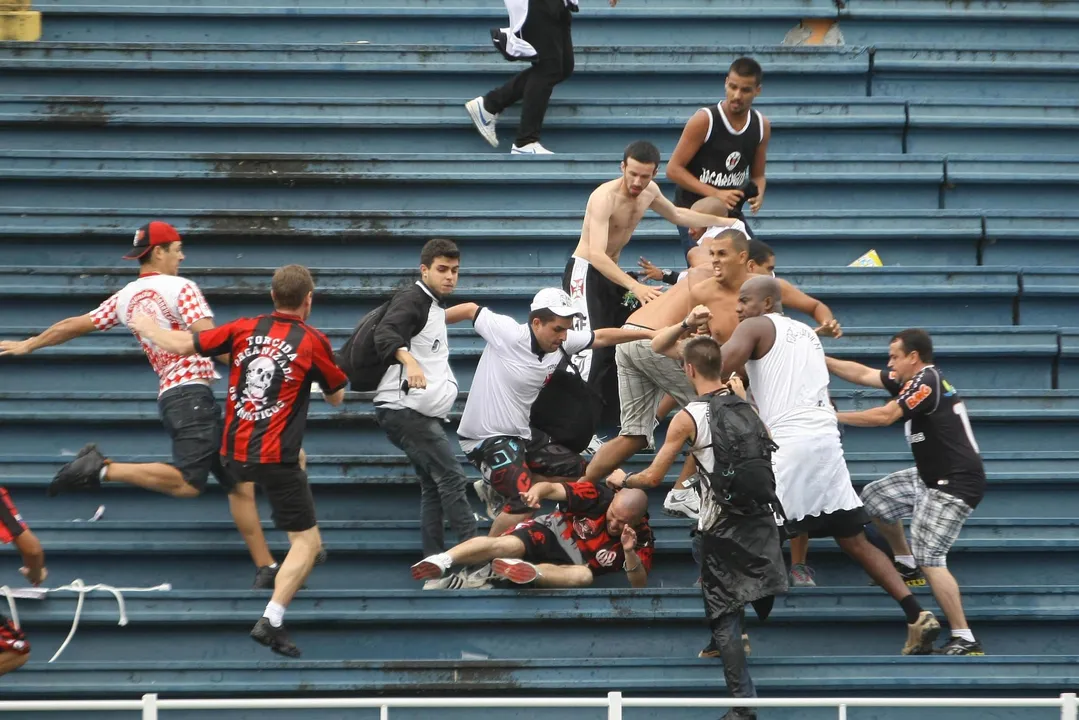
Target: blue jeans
point(442, 479)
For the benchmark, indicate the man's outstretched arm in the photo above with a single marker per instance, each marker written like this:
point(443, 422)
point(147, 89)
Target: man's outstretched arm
point(58, 334)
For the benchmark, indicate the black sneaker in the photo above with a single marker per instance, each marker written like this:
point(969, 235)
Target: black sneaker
point(913, 577)
point(320, 557)
point(264, 577)
point(274, 638)
point(82, 473)
point(959, 646)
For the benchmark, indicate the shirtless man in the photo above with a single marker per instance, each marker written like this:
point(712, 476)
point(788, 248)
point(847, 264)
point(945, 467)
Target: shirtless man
point(644, 377)
point(730, 257)
point(600, 290)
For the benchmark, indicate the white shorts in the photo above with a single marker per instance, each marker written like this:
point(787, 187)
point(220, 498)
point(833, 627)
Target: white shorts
point(812, 477)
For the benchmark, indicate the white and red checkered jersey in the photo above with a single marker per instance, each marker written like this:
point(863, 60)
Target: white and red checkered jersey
point(177, 303)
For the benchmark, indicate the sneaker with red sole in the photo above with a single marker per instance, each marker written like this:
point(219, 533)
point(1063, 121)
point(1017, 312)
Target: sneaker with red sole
point(517, 571)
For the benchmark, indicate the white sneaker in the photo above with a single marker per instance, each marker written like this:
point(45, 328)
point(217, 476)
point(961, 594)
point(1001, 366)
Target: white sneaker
point(685, 502)
point(594, 445)
point(461, 580)
point(489, 497)
point(432, 567)
point(483, 120)
point(530, 149)
point(516, 571)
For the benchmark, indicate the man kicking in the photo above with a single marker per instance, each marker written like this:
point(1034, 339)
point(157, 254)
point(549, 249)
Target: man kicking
point(944, 487)
point(602, 292)
point(789, 379)
point(185, 399)
point(595, 531)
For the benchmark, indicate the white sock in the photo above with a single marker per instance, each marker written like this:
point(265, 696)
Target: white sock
point(907, 560)
point(272, 566)
point(104, 474)
point(275, 614)
point(442, 560)
point(965, 633)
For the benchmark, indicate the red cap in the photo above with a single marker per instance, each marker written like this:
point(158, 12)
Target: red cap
point(149, 236)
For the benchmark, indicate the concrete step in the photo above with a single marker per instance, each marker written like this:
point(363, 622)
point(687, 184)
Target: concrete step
point(449, 625)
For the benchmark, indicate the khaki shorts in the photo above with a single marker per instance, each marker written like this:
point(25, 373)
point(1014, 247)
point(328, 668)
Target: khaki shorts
point(644, 377)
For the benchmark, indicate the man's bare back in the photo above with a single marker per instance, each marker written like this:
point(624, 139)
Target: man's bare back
point(625, 214)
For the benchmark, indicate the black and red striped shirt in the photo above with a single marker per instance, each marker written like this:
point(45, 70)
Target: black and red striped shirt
point(274, 360)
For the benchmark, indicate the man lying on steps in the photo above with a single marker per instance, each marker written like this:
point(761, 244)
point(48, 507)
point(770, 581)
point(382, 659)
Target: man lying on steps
point(594, 531)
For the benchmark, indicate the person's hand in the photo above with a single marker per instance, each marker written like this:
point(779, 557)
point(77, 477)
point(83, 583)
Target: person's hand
point(531, 498)
point(832, 328)
point(15, 347)
point(736, 385)
point(143, 324)
point(730, 198)
point(416, 378)
point(35, 578)
point(756, 202)
point(629, 538)
point(616, 480)
point(698, 316)
point(650, 271)
point(646, 293)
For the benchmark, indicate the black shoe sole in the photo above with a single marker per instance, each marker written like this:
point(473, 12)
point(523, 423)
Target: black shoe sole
point(269, 641)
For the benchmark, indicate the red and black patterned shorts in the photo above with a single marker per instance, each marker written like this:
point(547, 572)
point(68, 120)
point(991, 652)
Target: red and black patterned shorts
point(508, 463)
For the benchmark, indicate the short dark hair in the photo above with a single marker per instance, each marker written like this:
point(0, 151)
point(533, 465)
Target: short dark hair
point(747, 67)
point(544, 315)
point(439, 247)
point(149, 254)
point(915, 339)
point(705, 355)
point(291, 285)
point(760, 251)
point(643, 152)
point(739, 240)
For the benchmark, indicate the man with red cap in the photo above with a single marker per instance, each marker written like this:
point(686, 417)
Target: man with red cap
point(185, 398)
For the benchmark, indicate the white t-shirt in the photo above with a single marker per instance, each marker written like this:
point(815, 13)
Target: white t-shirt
point(509, 378)
point(177, 304)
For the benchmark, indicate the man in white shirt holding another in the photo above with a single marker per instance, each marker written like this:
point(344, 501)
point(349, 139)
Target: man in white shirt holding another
point(518, 361)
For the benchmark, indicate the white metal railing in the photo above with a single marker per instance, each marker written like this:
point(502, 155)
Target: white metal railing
point(151, 705)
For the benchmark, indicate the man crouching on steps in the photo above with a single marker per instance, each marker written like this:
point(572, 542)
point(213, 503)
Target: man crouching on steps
point(594, 531)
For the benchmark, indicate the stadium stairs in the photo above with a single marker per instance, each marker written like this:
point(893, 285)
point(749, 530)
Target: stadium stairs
point(331, 133)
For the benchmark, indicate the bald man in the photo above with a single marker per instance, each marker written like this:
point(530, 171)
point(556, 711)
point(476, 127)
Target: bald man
point(594, 531)
point(789, 377)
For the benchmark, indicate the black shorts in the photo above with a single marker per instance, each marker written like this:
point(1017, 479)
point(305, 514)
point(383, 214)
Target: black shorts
point(839, 524)
point(193, 420)
point(508, 463)
point(286, 487)
point(541, 544)
point(11, 522)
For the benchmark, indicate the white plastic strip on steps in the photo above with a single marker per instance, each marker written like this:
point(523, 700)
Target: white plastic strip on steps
point(76, 586)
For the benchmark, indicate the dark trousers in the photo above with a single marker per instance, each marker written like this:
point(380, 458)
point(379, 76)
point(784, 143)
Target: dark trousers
point(547, 29)
point(442, 479)
point(727, 634)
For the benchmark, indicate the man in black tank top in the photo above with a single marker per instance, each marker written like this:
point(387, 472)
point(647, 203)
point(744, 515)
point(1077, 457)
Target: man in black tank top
point(723, 148)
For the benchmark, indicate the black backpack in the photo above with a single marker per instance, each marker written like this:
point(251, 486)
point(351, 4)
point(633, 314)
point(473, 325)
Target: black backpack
point(357, 357)
point(567, 408)
point(742, 475)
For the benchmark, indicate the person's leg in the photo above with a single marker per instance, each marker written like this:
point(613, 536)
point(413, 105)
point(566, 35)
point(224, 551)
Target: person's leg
point(888, 501)
point(476, 551)
point(799, 549)
point(563, 576)
point(400, 427)
point(245, 514)
point(727, 631)
point(158, 477)
point(666, 406)
point(293, 506)
point(547, 34)
point(11, 661)
point(937, 521)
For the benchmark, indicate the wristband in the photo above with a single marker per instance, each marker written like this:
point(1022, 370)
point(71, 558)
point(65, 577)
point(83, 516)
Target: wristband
point(625, 480)
point(685, 326)
point(632, 569)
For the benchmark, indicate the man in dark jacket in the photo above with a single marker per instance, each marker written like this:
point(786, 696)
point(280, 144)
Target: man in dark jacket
point(415, 397)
